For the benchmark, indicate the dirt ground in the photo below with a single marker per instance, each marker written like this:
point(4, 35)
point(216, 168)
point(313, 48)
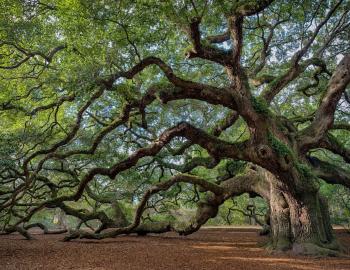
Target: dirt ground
point(223, 248)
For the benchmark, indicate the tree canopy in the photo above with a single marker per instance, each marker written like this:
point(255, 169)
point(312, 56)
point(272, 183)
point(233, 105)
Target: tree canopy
point(162, 105)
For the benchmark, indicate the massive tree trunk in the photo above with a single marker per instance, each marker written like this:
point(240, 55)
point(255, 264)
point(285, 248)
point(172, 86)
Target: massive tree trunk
point(280, 227)
point(310, 228)
point(300, 223)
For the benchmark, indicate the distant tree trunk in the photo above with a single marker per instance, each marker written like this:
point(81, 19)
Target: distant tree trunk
point(60, 219)
point(119, 216)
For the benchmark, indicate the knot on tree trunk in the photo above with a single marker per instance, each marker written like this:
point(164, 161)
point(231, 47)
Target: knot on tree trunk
point(264, 151)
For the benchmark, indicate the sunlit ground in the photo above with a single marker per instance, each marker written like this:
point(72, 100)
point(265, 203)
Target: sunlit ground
point(224, 248)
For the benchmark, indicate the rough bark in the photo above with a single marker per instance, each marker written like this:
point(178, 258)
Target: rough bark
point(299, 223)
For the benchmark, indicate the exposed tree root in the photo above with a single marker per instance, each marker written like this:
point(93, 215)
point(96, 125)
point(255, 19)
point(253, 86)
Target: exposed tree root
point(311, 249)
point(23, 230)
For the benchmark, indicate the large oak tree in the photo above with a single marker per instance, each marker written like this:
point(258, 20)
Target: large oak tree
point(103, 99)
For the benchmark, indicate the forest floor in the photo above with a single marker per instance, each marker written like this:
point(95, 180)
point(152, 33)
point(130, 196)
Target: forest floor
point(210, 248)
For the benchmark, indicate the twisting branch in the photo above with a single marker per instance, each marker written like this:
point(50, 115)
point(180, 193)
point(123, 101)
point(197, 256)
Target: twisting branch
point(253, 7)
point(341, 125)
point(295, 67)
point(299, 54)
point(330, 143)
point(276, 84)
point(58, 103)
point(324, 116)
point(30, 54)
point(265, 51)
point(252, 181)
point(331, 173)
point(236, 33)
point(219, 38)
point(217, 148)
point(204, 51)
point(184, 178)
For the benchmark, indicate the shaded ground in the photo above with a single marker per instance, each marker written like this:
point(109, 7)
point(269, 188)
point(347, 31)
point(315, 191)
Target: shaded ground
point(223, 248)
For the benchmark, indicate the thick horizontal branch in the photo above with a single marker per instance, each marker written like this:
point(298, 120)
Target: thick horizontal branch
point(330, 143)
point(252, 181)
point(181, 178)
point(217, 148)
point(167, 70)
point(331, 173)
point(252, 7)
point(221, 126)
point(207, 162)
point(341, 125)
point(219, 38)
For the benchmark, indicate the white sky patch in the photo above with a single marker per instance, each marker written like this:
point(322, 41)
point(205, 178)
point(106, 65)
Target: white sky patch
point(339, 57)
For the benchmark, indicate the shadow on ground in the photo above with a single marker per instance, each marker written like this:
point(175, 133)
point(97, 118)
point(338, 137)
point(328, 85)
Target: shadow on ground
point(213, 248)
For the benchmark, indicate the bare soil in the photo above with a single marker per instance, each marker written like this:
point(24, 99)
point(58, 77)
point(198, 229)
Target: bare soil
point(210, 248)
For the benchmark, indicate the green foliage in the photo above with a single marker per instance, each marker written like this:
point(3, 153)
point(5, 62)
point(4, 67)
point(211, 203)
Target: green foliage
point(338, 198)
point(110, 37)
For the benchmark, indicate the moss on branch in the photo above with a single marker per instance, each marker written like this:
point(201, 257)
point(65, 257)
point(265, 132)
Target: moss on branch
point(278, 146)
point(260, 105)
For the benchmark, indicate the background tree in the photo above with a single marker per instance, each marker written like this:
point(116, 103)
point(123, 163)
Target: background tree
point(151, 103)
